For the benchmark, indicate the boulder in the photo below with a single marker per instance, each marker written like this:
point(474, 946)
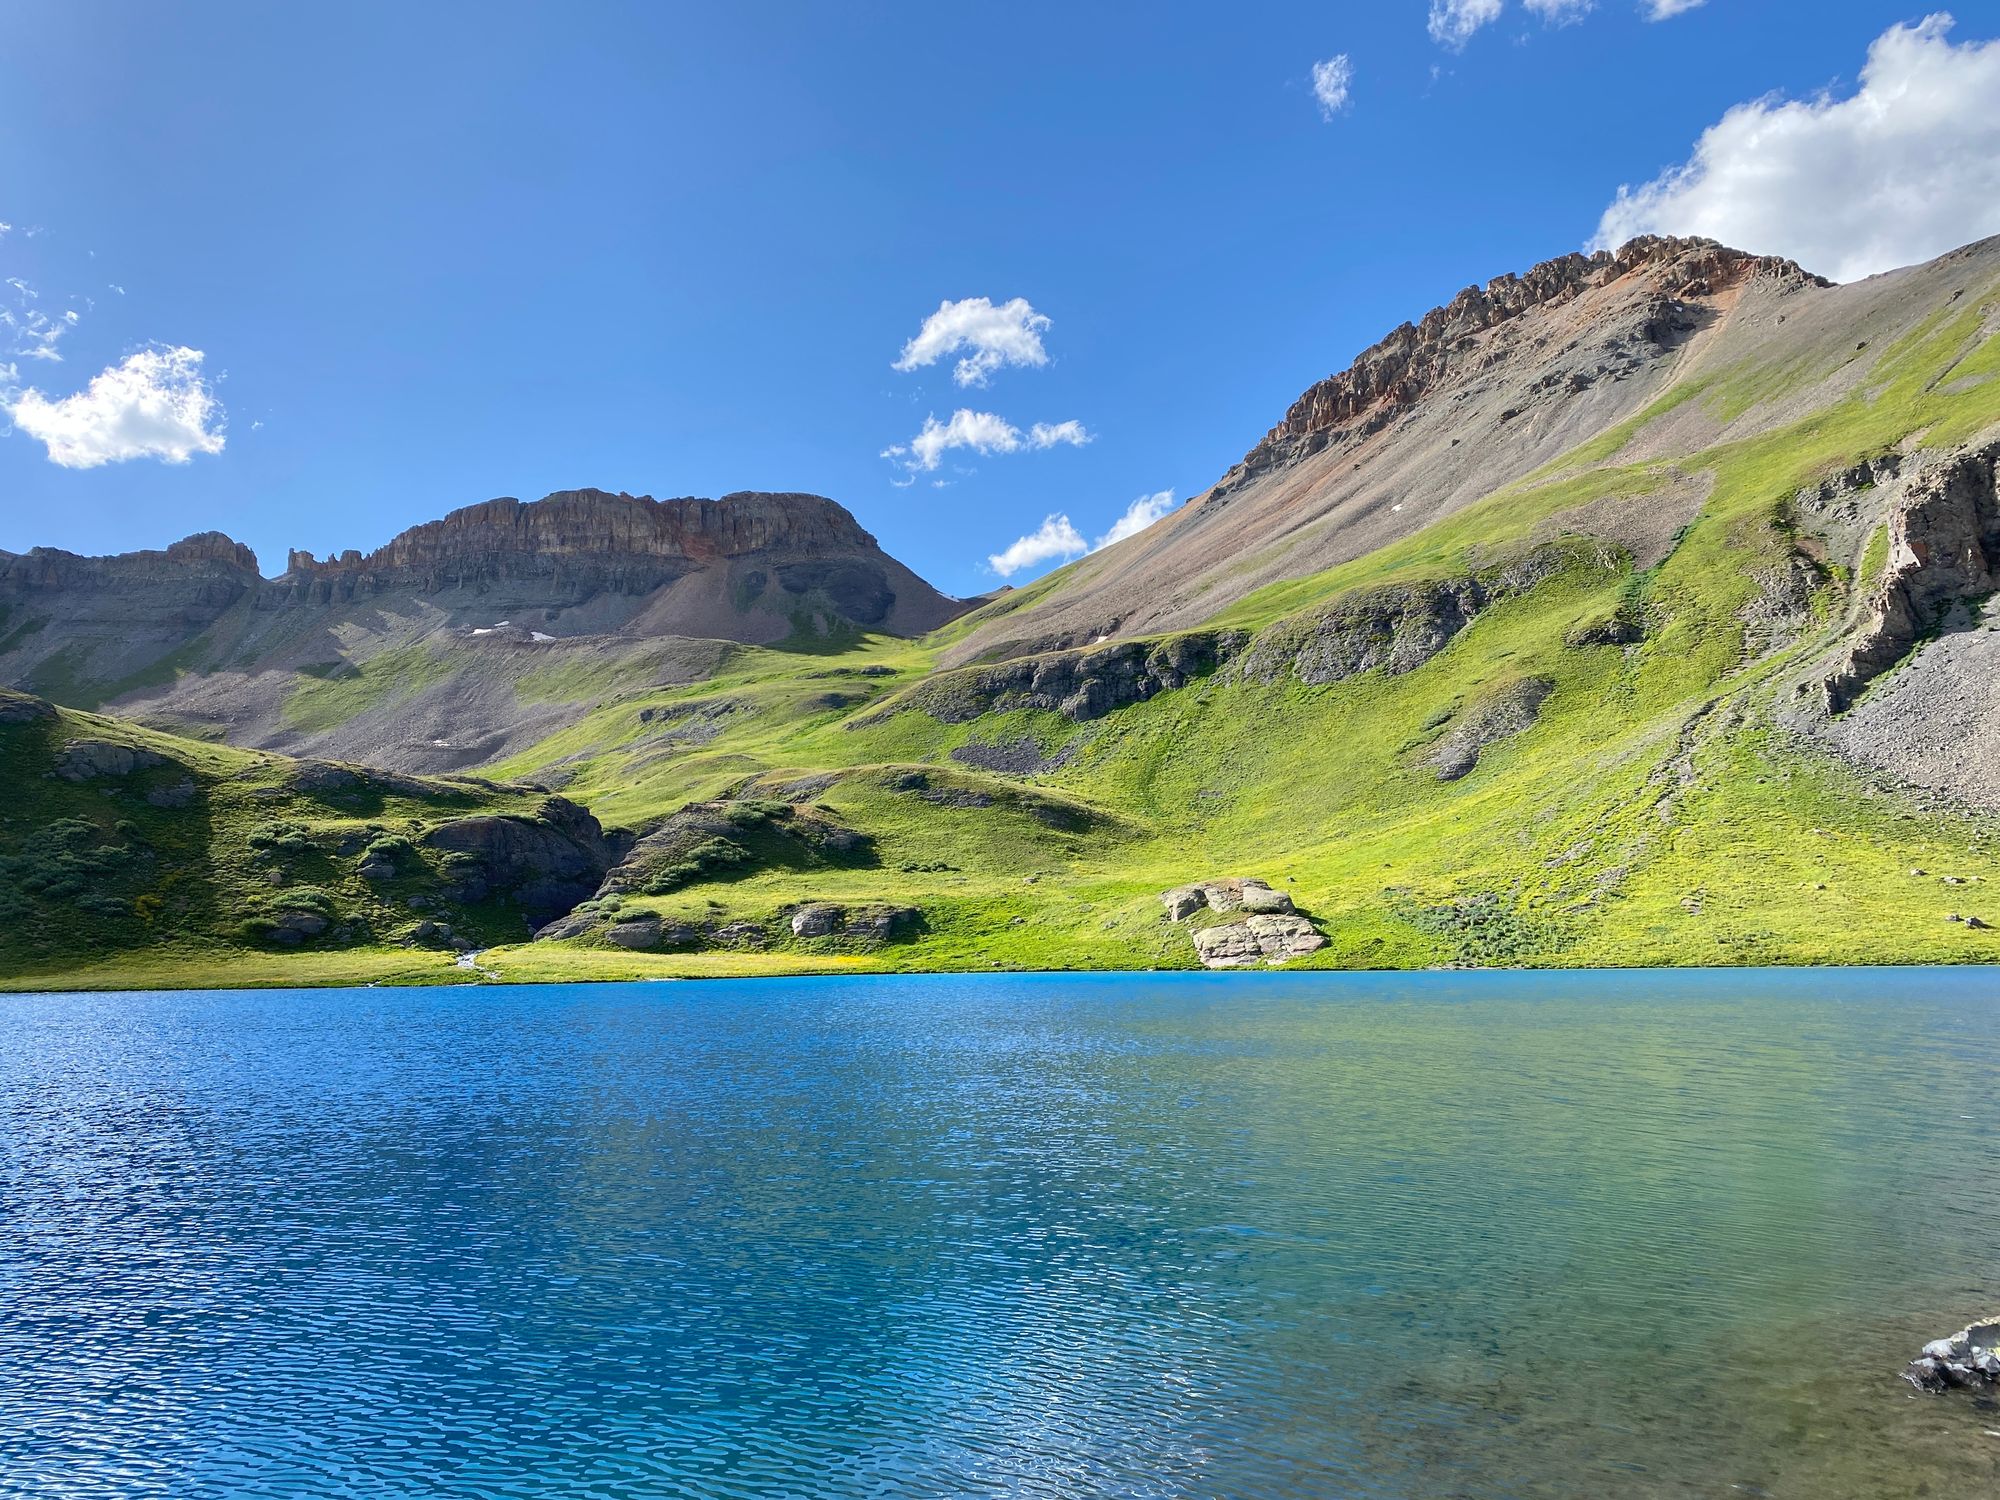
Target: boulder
point(1260, 898)
point(1232, 947)
point(85, 760)
point(1969, 1358)
point(1270, 939)
point(863, 924)
point(817, 920)
point(377, 870)
point(641, 931)
point(879, 924)
point(1183, 901)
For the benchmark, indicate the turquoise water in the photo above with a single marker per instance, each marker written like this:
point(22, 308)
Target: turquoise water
point(1244, 1236)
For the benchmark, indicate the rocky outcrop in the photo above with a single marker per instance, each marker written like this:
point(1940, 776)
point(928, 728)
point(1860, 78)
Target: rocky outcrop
point(1183, 901)
point(86, 760)
point(1255, 940)
point(189, 584)
point(732, 838)
point(1270, 932)
point(1393, 628)
point(545, 864)
point(1968, 1359)
point(1501, 714)
point(1079, 685)
point(24, 708)
point(1944, 543)
point(1399, 372)
point(869, 925)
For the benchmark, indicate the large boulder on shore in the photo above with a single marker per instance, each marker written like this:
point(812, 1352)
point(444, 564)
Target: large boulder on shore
point(1258, 939)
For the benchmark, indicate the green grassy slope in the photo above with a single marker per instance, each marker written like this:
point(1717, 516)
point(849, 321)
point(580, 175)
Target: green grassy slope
point(1648, 809)
point(1653, 814)
point(194, 863)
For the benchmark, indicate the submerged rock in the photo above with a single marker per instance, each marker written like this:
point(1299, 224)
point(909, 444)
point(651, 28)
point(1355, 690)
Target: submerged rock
point(1970, 1358)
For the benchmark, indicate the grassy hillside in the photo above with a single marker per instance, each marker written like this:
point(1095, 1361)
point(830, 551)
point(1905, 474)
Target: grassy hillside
point(1598, 768)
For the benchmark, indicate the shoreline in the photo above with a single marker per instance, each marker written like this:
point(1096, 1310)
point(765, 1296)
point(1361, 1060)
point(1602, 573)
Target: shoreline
point(457, 976)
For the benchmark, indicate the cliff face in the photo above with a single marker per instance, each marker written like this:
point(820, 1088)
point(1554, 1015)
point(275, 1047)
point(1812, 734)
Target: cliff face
point(441, 624)
point(580, 542)
point(194, 581)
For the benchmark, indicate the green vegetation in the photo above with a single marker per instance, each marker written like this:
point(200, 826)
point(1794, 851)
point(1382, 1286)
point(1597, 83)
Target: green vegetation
point(1646, 807)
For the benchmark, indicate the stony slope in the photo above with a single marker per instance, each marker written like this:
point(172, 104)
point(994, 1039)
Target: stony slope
point(1478, 395)
point(462, 638)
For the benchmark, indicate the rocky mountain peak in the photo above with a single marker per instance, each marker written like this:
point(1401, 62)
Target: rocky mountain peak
point(1655, 278)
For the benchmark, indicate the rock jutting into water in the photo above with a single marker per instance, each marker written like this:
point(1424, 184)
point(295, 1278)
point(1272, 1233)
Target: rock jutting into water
point(1970, 1357)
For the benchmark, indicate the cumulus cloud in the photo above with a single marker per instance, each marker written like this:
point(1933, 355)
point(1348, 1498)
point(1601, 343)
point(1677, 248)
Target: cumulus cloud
point(1453, 22)
point(1056, 539)
point(983, 432)
point(1140, 514)
point(1009, 334)
point(1904, 169)
point(154, 404)
point(1666, 10)
point(1563, 12)
point(1333, 81)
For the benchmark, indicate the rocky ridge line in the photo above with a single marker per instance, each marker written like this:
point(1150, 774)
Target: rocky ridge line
point(1397, 373)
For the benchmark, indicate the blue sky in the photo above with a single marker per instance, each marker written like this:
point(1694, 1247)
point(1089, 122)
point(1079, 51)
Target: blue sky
point(433, 254)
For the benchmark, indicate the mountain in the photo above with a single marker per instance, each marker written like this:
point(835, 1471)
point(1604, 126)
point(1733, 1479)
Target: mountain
point(456, 640)
point(1637, 609)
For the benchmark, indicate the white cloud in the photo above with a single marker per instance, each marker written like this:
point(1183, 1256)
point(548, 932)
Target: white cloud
point(1905, 169)
point(1666, 10)
point(1010, 334)
point(1140, 514)
point(982, 432)
point(153, 405)
point(1049, 434)
point(6, 228)
point(1563, 12)
point(1453, 22)
point(1333, 81)
point(1056, 538)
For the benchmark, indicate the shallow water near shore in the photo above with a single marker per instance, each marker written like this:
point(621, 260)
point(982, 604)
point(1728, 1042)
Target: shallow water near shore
point(1474, 1235)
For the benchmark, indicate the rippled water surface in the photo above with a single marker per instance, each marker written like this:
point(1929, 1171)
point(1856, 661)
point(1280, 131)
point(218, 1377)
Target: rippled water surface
point(1243, 1236)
